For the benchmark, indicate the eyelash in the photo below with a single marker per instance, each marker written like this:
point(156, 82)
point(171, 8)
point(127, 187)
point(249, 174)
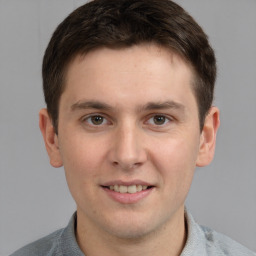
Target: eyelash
point(165, 121)
point(88, 120)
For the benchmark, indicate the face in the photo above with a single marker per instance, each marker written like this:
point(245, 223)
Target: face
point(129, 138)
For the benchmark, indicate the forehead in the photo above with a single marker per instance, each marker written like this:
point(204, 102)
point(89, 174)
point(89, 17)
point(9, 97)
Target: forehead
point(136, 55)
point(146, 69)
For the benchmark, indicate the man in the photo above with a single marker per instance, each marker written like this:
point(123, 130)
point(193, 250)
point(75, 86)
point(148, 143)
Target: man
point(129, 86)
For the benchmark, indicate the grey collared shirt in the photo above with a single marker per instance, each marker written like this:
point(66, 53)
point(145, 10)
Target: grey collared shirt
point(201, 241)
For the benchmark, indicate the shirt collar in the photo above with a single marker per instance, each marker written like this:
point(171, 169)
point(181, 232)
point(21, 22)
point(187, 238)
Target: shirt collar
point(195, 238)
point(67, 243)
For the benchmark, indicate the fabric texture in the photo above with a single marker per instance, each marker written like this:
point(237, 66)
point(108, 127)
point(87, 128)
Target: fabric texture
point(200, 241)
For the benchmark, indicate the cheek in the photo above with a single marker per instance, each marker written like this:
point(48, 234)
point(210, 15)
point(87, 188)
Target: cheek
point(80, 153)
point(82, 160)
point(81, 164)
point(176, 162)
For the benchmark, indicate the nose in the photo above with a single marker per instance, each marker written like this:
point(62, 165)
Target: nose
point(128, 151)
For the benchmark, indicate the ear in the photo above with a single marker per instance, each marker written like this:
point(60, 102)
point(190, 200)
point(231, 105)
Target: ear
point(208, 137)
point(50, 138)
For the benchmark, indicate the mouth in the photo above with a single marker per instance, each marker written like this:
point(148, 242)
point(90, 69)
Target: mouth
point(128, 192)
point(131, 189)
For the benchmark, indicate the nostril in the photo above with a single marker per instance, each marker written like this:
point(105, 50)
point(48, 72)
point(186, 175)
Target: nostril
point(115, 163)
point(126, 166)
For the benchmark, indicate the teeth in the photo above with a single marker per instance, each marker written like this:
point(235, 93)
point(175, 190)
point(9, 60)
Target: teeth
point(123, 189)
point(128, 189)
point(132, 189)
point(116, 188)
point(139, 188)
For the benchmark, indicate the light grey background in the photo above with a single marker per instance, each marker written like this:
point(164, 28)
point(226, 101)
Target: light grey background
point(34, 198)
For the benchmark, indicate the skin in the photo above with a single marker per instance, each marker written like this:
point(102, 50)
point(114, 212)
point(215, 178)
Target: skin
point(147, 129)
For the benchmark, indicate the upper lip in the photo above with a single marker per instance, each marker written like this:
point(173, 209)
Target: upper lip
point(126, 183)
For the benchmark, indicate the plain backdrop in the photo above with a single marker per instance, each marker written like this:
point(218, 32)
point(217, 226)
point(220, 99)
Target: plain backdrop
point(34, 198)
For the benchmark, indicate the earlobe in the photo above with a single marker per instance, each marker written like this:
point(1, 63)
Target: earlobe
point(208, 138)
point(50, 138)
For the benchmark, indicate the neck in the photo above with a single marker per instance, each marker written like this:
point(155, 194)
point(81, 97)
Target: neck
point(168, 240)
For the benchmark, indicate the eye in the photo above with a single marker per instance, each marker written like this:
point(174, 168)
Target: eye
point(158, 120)
point(96, 120)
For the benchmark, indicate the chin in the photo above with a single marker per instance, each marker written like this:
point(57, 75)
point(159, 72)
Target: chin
point(131, 228)
point(130, 233)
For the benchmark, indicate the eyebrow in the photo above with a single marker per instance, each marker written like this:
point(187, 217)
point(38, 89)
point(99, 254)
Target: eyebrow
point(164, 105)
point(90, 104)
point(149, 106)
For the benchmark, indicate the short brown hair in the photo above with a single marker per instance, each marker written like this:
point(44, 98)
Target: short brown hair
point(124, 23)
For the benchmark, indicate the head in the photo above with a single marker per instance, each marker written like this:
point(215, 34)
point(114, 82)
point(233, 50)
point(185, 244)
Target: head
point(129, 87)
point(119, 24)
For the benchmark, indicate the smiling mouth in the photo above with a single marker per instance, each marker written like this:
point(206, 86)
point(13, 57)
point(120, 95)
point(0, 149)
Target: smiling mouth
point(132, 189)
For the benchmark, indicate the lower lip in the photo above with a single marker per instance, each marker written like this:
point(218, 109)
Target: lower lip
point(127, 198)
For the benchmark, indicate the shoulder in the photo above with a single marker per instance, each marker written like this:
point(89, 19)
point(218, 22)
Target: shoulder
point(206, 241)
point(61, 242)
point(219, 244)
point(45, 246)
